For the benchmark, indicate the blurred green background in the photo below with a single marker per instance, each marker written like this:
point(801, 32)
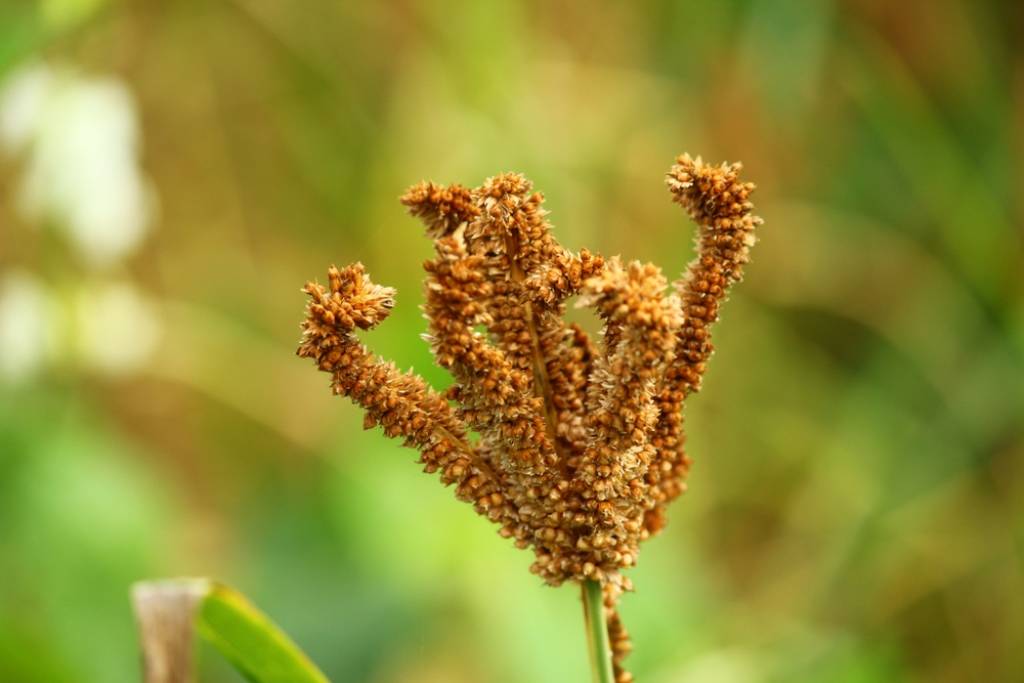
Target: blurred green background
point(172, 172)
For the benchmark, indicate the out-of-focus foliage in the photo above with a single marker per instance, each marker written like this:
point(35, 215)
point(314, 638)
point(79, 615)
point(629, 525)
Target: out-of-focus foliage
point(856, 505)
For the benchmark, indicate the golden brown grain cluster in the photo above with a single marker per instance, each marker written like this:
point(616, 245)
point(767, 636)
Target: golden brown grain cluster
point(580, 443)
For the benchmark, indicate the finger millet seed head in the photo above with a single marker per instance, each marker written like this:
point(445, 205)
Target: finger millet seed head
point(580, 443)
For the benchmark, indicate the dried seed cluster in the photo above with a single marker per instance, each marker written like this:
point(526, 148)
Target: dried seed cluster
point(580, 443)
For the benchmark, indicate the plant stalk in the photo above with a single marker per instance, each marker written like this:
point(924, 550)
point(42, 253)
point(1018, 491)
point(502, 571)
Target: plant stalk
point(597, 633)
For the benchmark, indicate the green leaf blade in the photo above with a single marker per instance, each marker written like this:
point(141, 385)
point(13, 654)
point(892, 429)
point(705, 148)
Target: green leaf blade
point(251, 641)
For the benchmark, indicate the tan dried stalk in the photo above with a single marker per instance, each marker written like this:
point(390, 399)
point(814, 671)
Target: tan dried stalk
point(581, 444)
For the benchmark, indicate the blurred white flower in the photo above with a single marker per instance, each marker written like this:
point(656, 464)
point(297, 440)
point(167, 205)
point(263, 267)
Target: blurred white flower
point(28, 331)
point(81, 140)
point(22, 101)
point(117, 327)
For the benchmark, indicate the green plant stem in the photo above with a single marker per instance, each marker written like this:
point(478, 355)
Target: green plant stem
point(597, 633)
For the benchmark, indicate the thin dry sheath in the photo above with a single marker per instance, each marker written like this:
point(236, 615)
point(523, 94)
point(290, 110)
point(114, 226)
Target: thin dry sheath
point(581, 444)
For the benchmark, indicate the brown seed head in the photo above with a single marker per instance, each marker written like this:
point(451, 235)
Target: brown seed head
point(580, 443)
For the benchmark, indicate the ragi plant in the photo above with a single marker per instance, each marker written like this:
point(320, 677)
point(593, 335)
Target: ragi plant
point(572, 446)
